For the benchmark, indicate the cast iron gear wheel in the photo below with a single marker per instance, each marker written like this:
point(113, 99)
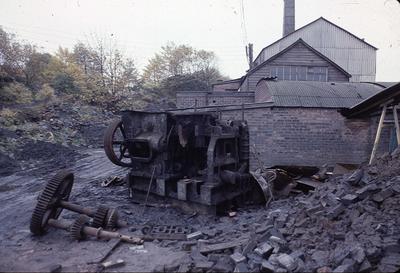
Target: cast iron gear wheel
point(99, 218)
point(120, 158)
point(76, 229)
point(112, 219)
point(57, 188)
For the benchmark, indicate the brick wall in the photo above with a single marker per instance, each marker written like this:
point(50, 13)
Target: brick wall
point(308, 136)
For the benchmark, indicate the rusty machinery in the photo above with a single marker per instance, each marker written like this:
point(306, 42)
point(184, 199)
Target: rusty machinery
point(54, 198)
point(191, 157)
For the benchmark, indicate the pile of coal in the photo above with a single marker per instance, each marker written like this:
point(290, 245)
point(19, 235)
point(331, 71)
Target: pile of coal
point(349, 224)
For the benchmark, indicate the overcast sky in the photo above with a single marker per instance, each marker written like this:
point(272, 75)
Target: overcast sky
point(143, 26)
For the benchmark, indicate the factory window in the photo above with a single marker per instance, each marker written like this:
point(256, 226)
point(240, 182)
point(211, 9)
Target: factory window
point(299, 73)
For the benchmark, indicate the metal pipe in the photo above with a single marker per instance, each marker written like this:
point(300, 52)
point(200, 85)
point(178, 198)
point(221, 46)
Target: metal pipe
point(77, 208)
point(59, 224)
point(100, 233)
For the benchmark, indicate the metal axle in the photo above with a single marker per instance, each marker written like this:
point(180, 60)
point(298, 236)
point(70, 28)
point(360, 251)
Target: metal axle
point(87, 211)
point(95, 232)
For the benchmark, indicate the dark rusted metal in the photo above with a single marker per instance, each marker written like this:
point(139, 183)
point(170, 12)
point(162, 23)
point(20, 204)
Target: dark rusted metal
point(115, 145)
point(198, 158)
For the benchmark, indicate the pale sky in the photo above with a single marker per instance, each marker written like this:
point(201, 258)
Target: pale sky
point(143, 26)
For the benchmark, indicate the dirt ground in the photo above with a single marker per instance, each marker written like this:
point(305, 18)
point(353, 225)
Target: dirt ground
point(20, 251)
point(346, 225)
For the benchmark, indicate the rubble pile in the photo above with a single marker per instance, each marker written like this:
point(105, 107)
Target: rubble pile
point(349, 224)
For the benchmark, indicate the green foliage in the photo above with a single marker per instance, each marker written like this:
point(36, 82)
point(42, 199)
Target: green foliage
point(8, 117)
point(64, 83)
point(46, 93)
point(181, 68)
point(15, 93)
point(98, 73)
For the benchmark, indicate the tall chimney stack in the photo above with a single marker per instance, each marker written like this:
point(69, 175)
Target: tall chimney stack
point(288, 17)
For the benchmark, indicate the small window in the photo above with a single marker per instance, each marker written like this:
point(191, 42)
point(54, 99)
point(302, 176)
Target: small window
point(293, 73)
point(301, 73)
point(286, 73)
point(280, 73)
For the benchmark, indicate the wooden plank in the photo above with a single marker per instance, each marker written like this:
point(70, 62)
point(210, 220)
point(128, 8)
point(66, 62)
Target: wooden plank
point(221, 246)
point(378, 134)
point(396, 122)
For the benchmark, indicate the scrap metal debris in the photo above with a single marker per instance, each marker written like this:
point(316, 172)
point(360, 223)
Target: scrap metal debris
point(54, 198)
point(113, 181)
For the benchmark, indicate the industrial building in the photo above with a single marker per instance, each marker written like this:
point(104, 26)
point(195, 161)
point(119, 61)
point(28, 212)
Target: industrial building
point(295, 92)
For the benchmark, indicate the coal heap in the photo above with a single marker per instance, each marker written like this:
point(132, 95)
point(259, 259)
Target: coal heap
point(349, 224)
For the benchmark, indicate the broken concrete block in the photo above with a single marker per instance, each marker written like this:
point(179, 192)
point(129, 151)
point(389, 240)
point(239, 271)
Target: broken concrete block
point(320, 257)
point(111, 264)
point(262, 230)
point(204, 265)
point(349, 199)
point(223, 265)
point(365, 266)
point(194, 236)
point(365, 191)
point(215, 257)
point(347, 266)
point(241, 267)
point(267, 267)
point(277, 240)
point(250, 245)
point(187, 246)
point(287, 262)
point(238, 258)
point(311, 211)
point(358, 254)
point(254, 262)
point(335, 212)
point(355, 178)
point(382, 196)
point(264, 250)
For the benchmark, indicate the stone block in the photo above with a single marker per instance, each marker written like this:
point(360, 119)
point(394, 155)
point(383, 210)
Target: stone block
point(264, 250)
point(287, 262)
point(335, 211)
point(349, 199)
point(267, 267)
point(237, 258)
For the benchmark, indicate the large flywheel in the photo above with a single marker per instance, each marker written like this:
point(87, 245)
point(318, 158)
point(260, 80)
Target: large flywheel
point(115, 144)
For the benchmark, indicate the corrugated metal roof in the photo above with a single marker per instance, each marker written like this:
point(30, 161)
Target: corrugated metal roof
point(351, 53)
point(317, 94)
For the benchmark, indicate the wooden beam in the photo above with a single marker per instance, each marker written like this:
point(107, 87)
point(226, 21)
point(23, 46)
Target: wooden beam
point(396, 122)
point(378, 134)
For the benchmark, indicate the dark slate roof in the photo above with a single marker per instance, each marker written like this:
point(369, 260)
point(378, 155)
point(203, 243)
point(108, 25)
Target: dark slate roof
point(299, 41)
point(389, 96)
point(317, 94)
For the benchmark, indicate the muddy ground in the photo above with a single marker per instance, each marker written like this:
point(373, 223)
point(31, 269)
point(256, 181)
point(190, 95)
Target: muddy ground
point(20, 251)
point(346, 225)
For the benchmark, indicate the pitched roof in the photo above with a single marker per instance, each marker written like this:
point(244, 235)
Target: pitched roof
point(317, 94)
point(309, 24)
point(389, 95)
point(299, 41)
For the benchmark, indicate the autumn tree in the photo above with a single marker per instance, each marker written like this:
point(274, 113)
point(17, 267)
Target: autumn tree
point(184, 64)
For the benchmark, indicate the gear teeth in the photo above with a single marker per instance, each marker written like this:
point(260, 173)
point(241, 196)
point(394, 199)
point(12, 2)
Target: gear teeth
point(76, 229)
point(99, 218)
point(45, 201)
point(112, 219)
